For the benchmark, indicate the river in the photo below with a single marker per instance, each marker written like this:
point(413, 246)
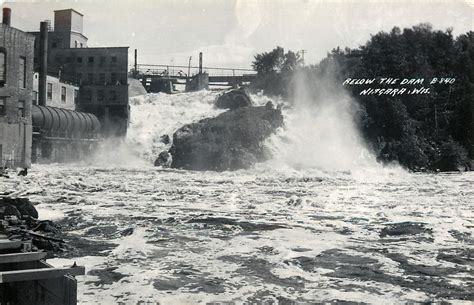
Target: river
point(279, 233)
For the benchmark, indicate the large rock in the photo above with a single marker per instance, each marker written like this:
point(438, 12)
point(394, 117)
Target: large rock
point(233, 140)
point(234, 99)
point(20, 207)
point(164, 159)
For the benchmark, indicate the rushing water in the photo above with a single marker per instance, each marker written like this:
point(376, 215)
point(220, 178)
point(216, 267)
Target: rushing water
point(281, 232)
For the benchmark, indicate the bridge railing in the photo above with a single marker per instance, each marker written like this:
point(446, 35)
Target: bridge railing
point(182, 71)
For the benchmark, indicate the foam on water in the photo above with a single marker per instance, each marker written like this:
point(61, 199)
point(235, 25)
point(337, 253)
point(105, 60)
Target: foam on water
point(304, 226)
point(155, 115)
point(256, 234)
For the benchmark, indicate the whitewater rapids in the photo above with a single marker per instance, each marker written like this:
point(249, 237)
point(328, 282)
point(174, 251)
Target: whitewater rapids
point(277, 233)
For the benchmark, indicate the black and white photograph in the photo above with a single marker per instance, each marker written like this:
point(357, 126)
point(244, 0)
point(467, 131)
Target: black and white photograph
point(236, 152)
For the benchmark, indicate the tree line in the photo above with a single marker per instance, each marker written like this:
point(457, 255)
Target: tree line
point(432, 131)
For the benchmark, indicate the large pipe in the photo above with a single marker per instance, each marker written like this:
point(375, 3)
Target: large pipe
point(43, 63)
point(200, 62)
point(7, 15)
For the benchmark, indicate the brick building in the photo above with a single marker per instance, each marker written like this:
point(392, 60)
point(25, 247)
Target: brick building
point(16, 86)
point(100, 72)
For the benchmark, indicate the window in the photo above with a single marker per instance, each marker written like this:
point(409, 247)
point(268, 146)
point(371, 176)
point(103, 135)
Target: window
point(76, 96)
point(35, 97)
point(75, 43)
point(22, 73)
point(102, 60)
point(101, 78)
point(21, 109)
point(90, 78)
point(54, 45)
point(3, 68)
point(63, 94)
point(112, 95)
point(113, 78)
point(50, 91)
point(100, 95)
point(87, 95)
point(114, 60)
point(3, 102)
point(81, 44)
point(79, 78)
point(91, 59)
point(79, 60)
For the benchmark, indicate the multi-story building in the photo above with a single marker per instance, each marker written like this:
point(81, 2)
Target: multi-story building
point(103, 81)
point(16, 86)
point(59, 94)
point(101, 73)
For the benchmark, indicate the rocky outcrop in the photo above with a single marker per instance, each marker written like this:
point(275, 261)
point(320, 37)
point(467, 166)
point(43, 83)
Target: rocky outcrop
point(18, 207)
point(234, 99)
point(164, 159)
point(233, 140)
point(19, 221)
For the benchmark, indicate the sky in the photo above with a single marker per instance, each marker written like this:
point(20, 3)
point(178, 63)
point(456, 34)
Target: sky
point(231, 32)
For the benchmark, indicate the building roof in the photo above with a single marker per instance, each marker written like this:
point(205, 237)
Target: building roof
point(69, 9)
point(94, 48)
point(27, 34)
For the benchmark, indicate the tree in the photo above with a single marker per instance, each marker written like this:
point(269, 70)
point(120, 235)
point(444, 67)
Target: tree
point(269, 62)
point(276, 61)
point(419, 131)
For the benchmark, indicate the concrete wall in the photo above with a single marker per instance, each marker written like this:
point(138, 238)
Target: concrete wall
point(56, 100)
point(15, 131)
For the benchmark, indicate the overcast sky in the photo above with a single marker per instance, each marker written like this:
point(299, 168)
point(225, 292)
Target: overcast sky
point(231, 32)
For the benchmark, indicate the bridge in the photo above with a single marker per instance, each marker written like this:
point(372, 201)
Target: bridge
point(177, 74)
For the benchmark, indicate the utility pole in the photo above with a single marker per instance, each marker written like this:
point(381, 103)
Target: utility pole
point(136, 64)
point(200, 62)
point(189, 68)
point(302, 55)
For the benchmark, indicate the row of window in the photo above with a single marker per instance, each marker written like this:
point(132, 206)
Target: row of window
point(77, 44)
point(49, 93)
point(90, 60)
point(21, 70)
point(101, 79)
point(3, 109)
point(59, 42)
point(112, 95)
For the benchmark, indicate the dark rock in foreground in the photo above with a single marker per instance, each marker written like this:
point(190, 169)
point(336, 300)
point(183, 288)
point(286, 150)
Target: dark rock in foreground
point(19, 221)
point(233, 140)
point(234, 99)
point(17, 207)
point(164, 159)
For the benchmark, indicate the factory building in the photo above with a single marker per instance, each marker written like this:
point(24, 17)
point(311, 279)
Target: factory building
point(102, 76)
point(58, 93)
point(78, 95)
point(100, 72)
point(16, 86)
point(60, 133)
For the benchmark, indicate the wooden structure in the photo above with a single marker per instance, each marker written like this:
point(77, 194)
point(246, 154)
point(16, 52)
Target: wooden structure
point(25, 278)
